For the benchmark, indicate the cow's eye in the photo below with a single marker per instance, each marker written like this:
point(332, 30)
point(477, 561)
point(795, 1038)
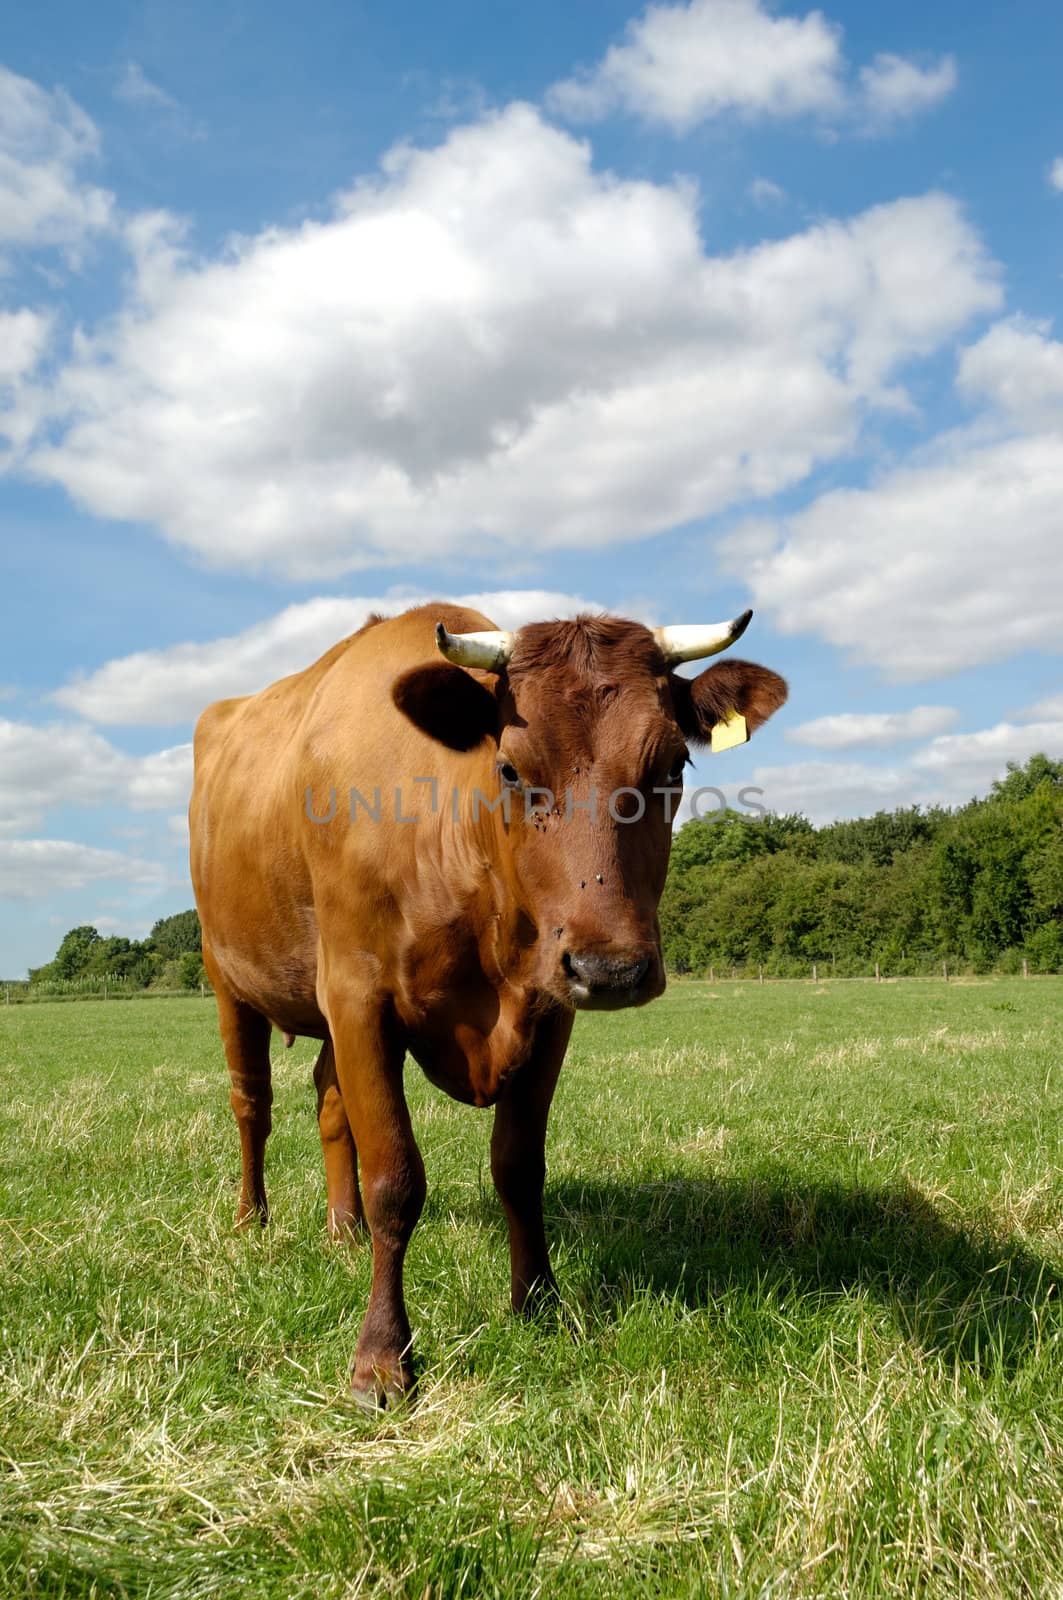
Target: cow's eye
point(509, 774)
point(674, 777)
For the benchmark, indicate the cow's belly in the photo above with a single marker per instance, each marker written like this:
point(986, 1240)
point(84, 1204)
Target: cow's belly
point(301, 1023)
point(282, 985)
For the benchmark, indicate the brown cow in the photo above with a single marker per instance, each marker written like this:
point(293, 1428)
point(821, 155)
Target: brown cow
point(359, 881)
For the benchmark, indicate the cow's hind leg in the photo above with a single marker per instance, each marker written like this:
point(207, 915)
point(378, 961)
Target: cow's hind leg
point(345, 1213)
point(245, 1034)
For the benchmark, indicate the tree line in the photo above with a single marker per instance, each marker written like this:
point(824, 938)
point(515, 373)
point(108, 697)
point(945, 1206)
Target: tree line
point(87, 962)
point(980, 886)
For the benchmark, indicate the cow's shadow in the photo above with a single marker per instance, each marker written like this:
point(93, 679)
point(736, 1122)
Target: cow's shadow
point(973, 1296)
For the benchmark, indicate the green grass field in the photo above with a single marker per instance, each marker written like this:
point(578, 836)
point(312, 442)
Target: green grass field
point(810, 1253)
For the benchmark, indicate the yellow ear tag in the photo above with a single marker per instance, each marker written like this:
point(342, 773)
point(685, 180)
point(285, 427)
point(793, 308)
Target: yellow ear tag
point(731, 731)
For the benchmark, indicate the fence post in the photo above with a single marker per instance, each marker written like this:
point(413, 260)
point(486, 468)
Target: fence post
point(105, 988)
point(815, 973)
point(878, 975)
point(945, 970)
point(734, 973)
point(712, 974)
point(760, 974)
point(1025, 967)
point(202, 992)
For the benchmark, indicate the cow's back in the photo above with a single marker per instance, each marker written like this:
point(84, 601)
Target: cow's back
point(264, 872)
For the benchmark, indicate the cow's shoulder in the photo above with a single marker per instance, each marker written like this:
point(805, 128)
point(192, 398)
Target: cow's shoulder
point(213, 722)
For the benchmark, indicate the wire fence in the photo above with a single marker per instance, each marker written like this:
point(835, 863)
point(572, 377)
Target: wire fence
point(944, 971)
point(18, 991)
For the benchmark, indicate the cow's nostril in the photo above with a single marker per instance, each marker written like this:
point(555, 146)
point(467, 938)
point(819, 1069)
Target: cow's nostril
point(599, 973)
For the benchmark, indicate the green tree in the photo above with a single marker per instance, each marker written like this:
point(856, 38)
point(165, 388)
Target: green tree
point(879, 838)
point(177, 935)
point(75, 953)
point(982, 884)
point(190, 970)
point(1022, 781)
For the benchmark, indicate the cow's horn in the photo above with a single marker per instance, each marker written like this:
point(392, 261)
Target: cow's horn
point(490, 651)
point(691, 643)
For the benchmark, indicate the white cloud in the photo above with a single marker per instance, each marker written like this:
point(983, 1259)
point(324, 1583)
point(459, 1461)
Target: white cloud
point(45, 140)
point(680, 64)
point(68, 764)
point(894, 88)
point(879, 729)
point(452, 99)
point(1018, 370)
point(944, 564)
point(1055, 174)
point(967, 763)
point(164, 687)
point(1050, 709)
point(493, 342)
point(825, 790)
point(45, 767)
point(949, 771)
point(23, 339)
point(136, 88)
point(161, 780)
point(177, 826)
point(763, 192)
point(33, 868)
point(922, 575)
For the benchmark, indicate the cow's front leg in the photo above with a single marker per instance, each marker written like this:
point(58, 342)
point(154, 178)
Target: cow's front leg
point(518, 1160)
point(369, 1058)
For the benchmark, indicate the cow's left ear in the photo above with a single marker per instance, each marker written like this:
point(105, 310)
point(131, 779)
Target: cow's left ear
point(449, 704)
point(701, 702)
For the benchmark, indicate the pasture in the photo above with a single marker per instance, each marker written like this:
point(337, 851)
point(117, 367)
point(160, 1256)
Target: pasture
point(810, 1254)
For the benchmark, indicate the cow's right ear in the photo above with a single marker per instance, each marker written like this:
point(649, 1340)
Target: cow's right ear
point(449, 704)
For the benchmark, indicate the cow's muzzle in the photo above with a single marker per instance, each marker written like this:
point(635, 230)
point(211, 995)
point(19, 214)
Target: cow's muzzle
point(603, 983)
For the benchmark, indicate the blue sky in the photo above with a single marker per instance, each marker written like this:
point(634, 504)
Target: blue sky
point(669, 310)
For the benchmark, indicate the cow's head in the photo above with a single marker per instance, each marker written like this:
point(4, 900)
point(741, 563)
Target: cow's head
point(590, 728)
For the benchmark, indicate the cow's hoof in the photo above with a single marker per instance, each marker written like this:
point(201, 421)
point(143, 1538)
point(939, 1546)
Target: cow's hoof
point(383, 1389)
point(541, 1302)
point(347, 1227)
